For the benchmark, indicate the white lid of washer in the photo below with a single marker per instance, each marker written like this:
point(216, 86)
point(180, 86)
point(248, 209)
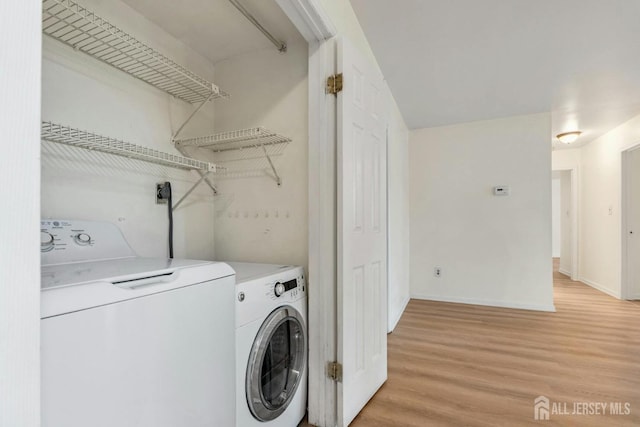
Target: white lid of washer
point(60, 275)
point(68, 288)
point(246, 271)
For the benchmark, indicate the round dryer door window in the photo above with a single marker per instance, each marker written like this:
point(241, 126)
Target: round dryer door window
point(276, 363)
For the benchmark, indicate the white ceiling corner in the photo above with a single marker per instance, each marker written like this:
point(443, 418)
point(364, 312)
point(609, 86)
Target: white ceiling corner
point(215, 28)
point(455, 61)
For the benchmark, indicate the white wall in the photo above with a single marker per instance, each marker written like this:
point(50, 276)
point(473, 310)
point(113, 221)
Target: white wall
point(492, 250)
point(556, 217)
point(19, 218)
point(257, 221)
point(346, 22)
point(82, 92)
point(600, 207)
point(566, 228)
point(565, 159)
point(398, 216)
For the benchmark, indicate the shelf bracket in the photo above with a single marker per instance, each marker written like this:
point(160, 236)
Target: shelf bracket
point(193, 187)
point(198, 108)
point(201, 173)
point(273, 168)
point(204, 175)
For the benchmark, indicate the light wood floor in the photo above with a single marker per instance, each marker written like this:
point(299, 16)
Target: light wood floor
point(464, 365)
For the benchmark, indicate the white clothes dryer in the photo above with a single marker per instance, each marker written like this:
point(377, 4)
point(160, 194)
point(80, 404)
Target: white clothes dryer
point(130, 341)
point(271, 345)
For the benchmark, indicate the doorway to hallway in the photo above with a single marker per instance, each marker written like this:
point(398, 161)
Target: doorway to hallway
point(564, 205)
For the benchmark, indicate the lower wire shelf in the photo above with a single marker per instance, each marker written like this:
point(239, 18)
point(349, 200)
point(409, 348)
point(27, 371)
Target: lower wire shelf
point(61, 134)
point(66, 135)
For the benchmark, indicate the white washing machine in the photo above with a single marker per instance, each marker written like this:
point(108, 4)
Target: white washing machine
point(271, 345)
point(130, 341)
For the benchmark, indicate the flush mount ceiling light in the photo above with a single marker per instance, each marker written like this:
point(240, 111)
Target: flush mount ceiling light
point(568, 137)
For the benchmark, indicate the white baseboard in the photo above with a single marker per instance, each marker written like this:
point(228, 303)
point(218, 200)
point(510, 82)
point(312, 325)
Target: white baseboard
point(394, 322)
point(486, 302)
point(600, 287)
point(565, 272)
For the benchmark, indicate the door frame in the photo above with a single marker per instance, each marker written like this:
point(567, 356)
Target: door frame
point(315, 25)
point(575, 232)
point(625, 291)
point(21, 64)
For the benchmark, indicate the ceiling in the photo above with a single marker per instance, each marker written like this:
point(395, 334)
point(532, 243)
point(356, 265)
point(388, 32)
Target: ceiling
point(215, 28)
point(455, 61)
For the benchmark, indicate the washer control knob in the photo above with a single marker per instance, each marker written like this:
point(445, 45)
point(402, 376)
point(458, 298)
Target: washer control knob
point(278, 289)
point(46, 241)
point(82, 239)
point(241, 296)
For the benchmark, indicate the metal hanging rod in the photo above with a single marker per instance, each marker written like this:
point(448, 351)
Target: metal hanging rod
point(282, 46)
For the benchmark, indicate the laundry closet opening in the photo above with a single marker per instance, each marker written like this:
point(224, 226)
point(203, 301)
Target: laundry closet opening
point(254, 130)
point(174, 131)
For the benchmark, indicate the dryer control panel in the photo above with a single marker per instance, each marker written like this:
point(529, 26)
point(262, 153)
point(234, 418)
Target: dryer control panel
point(260, 296)
point(64, 241)
point(293, 286)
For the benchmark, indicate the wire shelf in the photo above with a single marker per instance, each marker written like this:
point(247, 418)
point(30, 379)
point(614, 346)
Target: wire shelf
point(237, 140)
point(81, 29)
point(78, 138)
point(246, 152)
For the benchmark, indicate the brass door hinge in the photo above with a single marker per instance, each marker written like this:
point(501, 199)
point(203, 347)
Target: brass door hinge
point(334, 371)
point(334, 84)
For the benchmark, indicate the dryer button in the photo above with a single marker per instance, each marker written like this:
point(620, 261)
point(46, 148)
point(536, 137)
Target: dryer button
point(279, 289)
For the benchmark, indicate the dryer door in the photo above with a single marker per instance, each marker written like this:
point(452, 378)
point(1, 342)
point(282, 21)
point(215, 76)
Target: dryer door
point(276, 363)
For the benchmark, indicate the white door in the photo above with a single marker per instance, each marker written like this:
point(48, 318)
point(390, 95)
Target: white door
point(362, 233)
point(633, 224)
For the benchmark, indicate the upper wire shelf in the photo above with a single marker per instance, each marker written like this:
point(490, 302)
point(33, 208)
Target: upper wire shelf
point(78, 138)
point(81, 29)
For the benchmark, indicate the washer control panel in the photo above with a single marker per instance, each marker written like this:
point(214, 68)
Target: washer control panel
point(63, 241)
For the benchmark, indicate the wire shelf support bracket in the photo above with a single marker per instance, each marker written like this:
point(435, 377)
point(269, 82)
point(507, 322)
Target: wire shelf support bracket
point(204, 175)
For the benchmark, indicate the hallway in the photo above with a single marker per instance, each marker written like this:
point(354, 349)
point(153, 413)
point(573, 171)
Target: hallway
point(455, 364)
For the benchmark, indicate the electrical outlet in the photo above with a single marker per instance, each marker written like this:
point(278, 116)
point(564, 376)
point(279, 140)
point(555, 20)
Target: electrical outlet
point(437, 272)
point(159, 199)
